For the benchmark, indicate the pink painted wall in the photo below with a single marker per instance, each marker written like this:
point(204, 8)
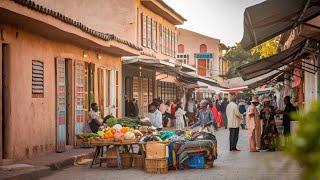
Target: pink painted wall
point(119, 17)
point(32, 120)
point(192, 41)
point(112, 16)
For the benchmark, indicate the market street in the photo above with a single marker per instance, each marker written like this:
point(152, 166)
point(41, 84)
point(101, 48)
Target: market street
point(230, 165)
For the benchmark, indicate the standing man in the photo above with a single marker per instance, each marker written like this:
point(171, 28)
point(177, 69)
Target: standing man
point(234, 118)
point(286, 115)
point(133, 108)
point(254, 127)
point(223, 106)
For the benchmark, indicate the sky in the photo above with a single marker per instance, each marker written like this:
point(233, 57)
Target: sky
point(222, 19)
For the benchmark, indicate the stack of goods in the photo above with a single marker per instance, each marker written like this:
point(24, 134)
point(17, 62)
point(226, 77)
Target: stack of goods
point(156, 157)
point(192, 150)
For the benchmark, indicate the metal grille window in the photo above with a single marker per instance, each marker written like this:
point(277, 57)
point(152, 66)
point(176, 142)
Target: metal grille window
point(37, 79)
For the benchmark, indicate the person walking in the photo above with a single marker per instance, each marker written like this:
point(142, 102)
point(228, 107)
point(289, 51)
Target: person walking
point(223, 106)
point(234, 118)
point(253, 124)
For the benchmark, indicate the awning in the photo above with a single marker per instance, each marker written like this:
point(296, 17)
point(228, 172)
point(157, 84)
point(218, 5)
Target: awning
point(267, 65)
point(263, 80)
point(273, 17)
point(149, 62)
point(235, 90)
point(204, 87)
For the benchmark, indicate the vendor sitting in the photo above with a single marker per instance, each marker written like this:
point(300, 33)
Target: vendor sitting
point(155, 117)
point(95, 122)
point(205, 118)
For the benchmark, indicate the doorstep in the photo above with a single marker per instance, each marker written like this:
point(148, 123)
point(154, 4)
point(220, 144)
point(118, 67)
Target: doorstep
point(43, 165)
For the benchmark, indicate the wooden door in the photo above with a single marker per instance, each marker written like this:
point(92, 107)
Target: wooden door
point(101, 90)
point(136, 91)
point(107, 91)
point(113, 93)
point(60, 105)
point(145, 95)
point(79, 97)
point(117, 93)
point(202, 67)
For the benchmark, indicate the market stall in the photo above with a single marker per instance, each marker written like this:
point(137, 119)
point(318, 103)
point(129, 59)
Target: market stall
point(126, 143)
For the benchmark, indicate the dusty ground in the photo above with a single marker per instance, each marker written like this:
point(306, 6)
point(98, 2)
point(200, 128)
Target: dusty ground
point(230, 165)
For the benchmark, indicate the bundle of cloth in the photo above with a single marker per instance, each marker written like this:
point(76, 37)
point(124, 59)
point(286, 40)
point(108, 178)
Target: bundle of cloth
point(201, 143)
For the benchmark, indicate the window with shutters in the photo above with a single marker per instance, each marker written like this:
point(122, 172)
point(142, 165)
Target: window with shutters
point(154, 35)
point(37, 79)
point(149, 28)
point(144, 30)
point(160, 38)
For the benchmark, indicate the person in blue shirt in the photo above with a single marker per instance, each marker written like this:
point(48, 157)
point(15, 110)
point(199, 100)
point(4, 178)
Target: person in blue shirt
point(205, 118)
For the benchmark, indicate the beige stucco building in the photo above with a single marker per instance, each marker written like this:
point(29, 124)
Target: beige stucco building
point(54, 66)
point(60, 56)
point(202, 52)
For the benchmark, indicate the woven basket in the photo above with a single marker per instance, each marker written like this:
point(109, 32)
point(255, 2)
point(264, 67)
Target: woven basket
point(156, 166)
point(138, 161)
point(126, 161)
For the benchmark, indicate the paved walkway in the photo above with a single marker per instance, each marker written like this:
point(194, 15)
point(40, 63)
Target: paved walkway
point(43, 164)
point(230, 165)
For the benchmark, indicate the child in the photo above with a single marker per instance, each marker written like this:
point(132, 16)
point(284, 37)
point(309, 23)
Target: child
point(180, 117)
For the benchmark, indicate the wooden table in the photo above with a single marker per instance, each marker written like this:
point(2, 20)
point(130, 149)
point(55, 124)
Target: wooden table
point(128, 146)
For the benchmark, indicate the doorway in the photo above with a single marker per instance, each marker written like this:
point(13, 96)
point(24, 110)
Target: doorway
point(202, 67)
point(4, 99)
point(69, 88)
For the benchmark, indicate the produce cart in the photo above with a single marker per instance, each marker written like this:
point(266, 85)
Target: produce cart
point(102, 147)
point(143, 147)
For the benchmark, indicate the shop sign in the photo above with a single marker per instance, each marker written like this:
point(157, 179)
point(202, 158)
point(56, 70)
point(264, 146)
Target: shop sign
point(203, 55)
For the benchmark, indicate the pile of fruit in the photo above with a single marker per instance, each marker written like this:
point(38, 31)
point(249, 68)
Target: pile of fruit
point(118, 133)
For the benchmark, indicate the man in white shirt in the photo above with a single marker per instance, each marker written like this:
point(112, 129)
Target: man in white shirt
point(155, 117)
point(234, 119)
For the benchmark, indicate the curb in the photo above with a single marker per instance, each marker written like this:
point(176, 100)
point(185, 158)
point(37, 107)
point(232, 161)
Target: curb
point(69, 161)
point(50, 168)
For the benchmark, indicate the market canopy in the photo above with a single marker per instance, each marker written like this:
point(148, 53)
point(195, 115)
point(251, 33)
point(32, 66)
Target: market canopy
point(273, 17)
point(267, 65)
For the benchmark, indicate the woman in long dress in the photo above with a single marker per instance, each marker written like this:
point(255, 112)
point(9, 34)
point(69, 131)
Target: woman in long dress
point(269, 137)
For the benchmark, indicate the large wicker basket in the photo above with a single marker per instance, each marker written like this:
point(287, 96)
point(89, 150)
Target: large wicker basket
point(138, 161)
point(156, 166)
point(126, 161)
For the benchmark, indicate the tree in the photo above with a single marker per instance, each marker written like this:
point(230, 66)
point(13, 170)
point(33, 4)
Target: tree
point(267, 48)
point(237, 57)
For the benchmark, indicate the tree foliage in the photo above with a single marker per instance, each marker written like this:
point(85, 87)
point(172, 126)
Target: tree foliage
point(237, 57)
point(267, 48)
point(304, 144)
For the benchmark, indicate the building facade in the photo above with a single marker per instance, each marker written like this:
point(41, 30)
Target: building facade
point(200, 51)
point(157, 35)
point(54, 67)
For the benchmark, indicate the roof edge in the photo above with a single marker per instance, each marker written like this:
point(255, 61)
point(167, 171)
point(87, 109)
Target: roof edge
point(57, 15)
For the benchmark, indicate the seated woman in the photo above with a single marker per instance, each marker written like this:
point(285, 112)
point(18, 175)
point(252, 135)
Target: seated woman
point(95, 122)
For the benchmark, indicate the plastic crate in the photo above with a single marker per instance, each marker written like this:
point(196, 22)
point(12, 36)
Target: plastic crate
point(196, 162)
